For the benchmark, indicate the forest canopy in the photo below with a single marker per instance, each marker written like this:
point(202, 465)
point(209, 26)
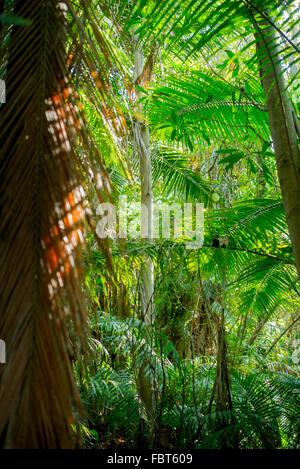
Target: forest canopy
point(149, 224)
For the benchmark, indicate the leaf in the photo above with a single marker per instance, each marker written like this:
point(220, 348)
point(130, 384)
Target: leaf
point(189, 142)
point(16, 20)
point(231, 160)
point(141, 89)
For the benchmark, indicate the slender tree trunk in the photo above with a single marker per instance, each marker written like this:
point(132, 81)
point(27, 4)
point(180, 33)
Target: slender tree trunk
point(283, 130)
point(142, 74)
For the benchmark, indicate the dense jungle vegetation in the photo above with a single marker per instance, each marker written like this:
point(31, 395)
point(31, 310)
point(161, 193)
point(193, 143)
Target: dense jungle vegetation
point(135, 340)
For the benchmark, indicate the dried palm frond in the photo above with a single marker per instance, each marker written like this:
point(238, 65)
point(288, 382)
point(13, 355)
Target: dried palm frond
point(42, 212)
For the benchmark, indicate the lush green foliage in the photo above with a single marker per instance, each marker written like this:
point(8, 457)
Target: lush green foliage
point(210, 143)
point(221, 356)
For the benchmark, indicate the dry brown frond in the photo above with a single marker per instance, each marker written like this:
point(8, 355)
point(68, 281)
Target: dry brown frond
point(41, 226)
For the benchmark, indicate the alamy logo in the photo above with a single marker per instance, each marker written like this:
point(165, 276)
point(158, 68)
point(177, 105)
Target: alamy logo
point(2, 92)
point(185, 221)
point(2, 352)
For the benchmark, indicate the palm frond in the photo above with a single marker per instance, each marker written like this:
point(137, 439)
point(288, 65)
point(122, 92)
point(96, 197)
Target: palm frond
point(207, 108)
point(212, 26)
point(43, 317)
point(172, 168)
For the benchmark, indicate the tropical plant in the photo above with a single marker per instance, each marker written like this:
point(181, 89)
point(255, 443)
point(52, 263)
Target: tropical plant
point(142, 342)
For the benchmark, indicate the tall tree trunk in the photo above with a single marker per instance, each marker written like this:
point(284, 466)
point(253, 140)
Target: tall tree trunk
point(283, 129)
point(142, 74)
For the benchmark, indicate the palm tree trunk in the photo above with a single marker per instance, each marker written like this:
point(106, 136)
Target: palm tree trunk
point(283, 130)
